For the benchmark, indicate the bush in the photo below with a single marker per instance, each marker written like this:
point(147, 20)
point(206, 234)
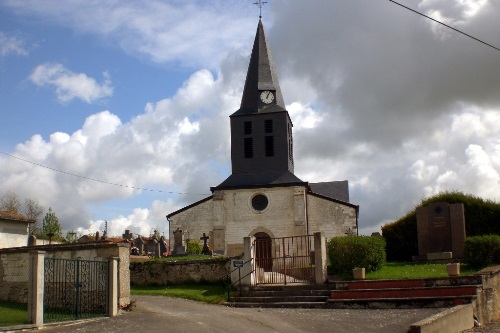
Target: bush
point(194, 247)
point(349, 252)
point(482, 251)
point(482, 217)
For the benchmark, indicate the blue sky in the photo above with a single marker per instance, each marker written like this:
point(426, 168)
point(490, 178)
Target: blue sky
point(139, 94)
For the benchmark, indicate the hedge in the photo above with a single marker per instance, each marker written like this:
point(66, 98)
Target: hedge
point(482, 217)
point(349, 252)
point(482, 251)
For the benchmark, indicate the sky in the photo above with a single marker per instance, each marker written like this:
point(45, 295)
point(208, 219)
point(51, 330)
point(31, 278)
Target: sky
point(130, 102)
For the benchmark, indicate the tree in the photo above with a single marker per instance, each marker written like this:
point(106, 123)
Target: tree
point(10, 201)
point(31, 209)
point(51, 226)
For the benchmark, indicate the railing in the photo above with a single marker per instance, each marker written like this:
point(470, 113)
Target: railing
point(228, 279)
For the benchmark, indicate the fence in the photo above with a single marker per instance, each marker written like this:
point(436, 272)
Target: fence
point(22, 280)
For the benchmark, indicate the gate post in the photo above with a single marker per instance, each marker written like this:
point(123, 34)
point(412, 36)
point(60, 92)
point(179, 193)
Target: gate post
point(248, 258)
point(35, 287)
point(113, 286)
point(320, 269)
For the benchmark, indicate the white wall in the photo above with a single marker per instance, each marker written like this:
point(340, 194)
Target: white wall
point(13, 234)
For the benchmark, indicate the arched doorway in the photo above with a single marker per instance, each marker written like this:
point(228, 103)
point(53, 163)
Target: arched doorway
point(263, 251)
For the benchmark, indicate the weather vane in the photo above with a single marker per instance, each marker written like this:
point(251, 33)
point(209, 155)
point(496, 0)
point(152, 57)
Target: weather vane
point(260, 4)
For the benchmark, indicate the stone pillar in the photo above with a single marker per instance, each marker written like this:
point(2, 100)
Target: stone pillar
point(113, 286)
point(35, 287)
point(320, 269)
point(248, 256)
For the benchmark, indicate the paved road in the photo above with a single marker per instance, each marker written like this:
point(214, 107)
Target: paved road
point(164, 314)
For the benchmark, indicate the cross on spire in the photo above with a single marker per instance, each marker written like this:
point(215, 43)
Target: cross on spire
point(260, 4)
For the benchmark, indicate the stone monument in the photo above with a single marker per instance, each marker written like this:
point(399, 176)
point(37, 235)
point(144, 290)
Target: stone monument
point(179, 247)
point(441, 231)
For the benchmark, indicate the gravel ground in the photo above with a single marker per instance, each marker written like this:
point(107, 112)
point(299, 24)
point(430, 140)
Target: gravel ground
point(155, 313)
point(489, 328)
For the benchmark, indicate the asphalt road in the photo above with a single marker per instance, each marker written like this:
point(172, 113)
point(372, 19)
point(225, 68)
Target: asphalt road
point(164, 314)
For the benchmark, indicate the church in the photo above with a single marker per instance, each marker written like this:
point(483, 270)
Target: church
point(262, 197)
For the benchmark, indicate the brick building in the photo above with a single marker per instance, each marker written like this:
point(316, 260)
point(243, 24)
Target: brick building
point(262, 197)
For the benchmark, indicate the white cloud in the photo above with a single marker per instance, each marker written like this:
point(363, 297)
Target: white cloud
point(186, 32)
point(11, 45)
point(70, 85)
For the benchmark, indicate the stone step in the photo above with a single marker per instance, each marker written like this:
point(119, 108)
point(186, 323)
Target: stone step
point(290, 292)
point(301, 305)
point(400, 303)
point(277, 299)
point(405, 292)
point(410, 283)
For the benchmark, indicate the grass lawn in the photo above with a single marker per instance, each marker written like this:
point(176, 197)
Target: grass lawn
point(12, 313)
point(398, 270)
point(208, 293)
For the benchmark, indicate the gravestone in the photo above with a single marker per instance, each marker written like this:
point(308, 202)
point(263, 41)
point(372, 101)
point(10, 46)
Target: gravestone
point(206, 249)
point(179, 247)
point(441, 231)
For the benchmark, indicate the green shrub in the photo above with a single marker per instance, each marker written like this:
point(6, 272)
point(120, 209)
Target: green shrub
point(194, 247)
point(349, 252)
point(482, 217)
point(482, 251)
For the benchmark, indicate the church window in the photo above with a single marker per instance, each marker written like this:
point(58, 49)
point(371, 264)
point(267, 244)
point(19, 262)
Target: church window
point(269, 146)
point(247, 127)
point(260, 202)
point(268, 126)
point(248, 147)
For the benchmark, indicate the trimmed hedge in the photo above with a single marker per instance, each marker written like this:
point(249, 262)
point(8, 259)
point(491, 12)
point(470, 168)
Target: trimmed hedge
point(347, 253)
point(482, 251)
point(482, 217)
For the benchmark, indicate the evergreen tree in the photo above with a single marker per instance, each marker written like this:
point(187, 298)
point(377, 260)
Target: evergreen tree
point(51, 226)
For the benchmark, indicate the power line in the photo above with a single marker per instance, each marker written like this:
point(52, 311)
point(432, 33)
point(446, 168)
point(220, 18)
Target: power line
point(444, 24)
point(94, 179)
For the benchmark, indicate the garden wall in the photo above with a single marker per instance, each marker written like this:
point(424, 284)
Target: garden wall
point(177, 272)
point(487, 304)
point(14, 266)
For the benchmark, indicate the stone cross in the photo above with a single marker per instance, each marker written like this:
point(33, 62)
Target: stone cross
point(206, 249)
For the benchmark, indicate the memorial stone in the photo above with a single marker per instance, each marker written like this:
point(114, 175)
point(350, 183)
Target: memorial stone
point(441, 230)
point(179, 247)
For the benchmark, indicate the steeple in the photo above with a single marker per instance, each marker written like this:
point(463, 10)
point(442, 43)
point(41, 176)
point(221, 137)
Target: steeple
point(261, 129)
point(261, 76)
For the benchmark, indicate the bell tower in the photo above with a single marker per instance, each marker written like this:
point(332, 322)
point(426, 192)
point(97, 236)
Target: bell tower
point(261, 129)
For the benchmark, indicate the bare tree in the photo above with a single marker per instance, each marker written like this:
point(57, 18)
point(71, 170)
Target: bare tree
point(33, 210)
point(10, 201)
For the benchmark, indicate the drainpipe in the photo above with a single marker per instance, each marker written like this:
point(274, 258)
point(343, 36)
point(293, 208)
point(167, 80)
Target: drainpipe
point(168, 219)
point(307, 211)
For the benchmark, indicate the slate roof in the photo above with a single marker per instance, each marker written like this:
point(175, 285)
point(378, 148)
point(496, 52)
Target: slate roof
point(337, 190)
point(12, 215)
point(259, 179)
point(261, 75)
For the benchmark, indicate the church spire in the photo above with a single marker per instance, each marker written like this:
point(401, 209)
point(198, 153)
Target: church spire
point(261, 77)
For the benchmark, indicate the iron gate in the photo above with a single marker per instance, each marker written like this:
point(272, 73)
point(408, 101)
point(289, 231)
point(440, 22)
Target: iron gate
point(284, 260)
point(74, 289)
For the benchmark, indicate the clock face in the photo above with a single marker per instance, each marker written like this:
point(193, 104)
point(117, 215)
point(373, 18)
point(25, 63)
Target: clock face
point(267, 96)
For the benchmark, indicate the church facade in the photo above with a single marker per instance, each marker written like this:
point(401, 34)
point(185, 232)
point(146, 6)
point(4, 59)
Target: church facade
point(262, 197)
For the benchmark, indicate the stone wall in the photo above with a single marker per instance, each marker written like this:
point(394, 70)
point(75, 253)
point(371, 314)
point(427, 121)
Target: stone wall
point(14, 266)
point(14, 276)
point(13, 234)
point(487, 304)
point(167, 273)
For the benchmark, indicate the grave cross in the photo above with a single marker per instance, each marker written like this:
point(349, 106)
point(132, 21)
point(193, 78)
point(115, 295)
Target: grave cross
point(206, 249)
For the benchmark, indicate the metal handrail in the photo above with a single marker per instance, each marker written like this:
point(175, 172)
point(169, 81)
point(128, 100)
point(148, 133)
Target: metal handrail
point(228, 277)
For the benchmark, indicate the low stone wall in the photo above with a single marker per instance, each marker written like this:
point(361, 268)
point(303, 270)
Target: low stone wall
point(175, 272)
point(487, 304)
point(14, 276)
point(14, 266)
